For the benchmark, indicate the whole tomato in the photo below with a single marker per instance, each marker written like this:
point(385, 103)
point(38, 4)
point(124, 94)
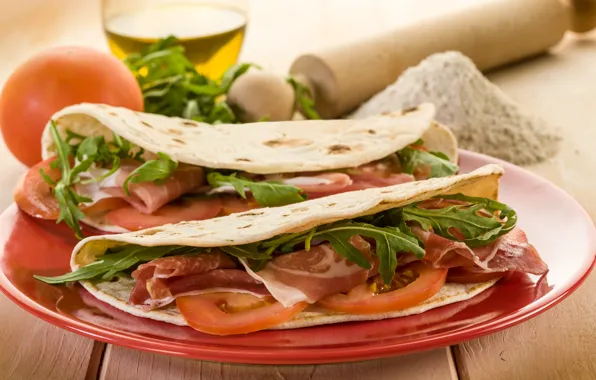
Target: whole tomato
point(54, 79)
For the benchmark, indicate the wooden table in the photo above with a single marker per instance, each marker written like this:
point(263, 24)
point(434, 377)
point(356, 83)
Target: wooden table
point(561, 87)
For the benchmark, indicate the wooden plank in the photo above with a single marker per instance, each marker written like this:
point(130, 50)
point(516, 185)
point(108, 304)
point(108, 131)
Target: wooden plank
point(125, 364)
point(560, 344)
point(35, 350)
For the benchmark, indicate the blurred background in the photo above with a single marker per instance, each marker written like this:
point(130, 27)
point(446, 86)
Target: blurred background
point(277, 30)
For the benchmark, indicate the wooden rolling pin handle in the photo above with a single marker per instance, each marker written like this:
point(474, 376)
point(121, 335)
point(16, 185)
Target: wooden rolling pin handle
point(583, 15)
point(491, 34)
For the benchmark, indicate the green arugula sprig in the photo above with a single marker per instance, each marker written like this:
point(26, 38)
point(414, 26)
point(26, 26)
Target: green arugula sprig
point(266, 193)
point(304, 99)
point(478, 230)
point(172, 86)
point(68, 199)
point(389, 241)
point(158, 171)
point(117, 260)
point(439, 163)
point(75, 154)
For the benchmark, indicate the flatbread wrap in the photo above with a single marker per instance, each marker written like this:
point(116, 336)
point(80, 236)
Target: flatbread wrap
point(118, 170)
point(363, 255)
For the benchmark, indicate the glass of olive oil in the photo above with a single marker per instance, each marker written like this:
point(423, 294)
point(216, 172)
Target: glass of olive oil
point(211, 32)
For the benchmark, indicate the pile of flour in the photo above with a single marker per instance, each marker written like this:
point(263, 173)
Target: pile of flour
point(482, 117)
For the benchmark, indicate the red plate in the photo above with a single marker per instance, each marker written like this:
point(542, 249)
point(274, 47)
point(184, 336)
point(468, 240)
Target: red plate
point(555, 223)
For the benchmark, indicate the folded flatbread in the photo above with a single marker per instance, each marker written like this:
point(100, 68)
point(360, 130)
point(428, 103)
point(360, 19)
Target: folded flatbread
point(207, 170)
point(319, 276)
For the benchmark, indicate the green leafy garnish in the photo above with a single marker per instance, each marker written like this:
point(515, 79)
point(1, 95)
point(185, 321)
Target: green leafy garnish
point(266, 193)
point(171, 85)
point(304, 99)
point(83, 152)
point(439, 163)
point(154, 170)
point(478, 230)
point(117, 260)
point(68, 199)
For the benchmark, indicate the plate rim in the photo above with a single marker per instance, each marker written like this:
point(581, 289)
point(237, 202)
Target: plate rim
point(310, 355)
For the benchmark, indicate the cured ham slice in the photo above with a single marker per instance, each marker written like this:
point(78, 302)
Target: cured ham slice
point(357, 182)
point(511, 252)
point(311, 275)
point(154, 279)
point(147, 197)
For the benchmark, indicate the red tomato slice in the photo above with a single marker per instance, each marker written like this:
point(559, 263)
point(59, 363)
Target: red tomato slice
point(232, 204)
point(178, 211)
point(234, 313)
point(104, 205)
point(363, 300)
point(34, 196)
point(462, 276)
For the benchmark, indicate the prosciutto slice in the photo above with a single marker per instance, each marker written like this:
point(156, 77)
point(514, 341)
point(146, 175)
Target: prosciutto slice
point(511, 252)
point(153, 280)
point(147, 197)
point(314, 274)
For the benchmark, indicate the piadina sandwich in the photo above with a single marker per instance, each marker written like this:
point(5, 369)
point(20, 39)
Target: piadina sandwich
point(119, 170)
point(363, 255)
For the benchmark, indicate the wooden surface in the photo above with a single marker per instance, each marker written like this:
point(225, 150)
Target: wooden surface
point(561, 87)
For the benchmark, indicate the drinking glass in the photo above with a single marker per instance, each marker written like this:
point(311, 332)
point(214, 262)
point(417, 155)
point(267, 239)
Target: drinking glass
point(211, 32)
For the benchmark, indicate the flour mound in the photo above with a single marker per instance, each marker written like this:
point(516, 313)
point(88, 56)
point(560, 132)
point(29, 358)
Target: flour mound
point(483, 118)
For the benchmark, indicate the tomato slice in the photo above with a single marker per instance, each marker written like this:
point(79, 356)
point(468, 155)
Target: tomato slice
point(34, 196)
point(462, 276)
point(234, 313)
point(232, 204)
point(174, 212)
point(363, 300)
point(104, 205)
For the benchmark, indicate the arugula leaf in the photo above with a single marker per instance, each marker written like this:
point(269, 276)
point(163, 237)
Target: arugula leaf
point(440, 165)
point(117, 260)
point(154, 170)
point(68, 199)
point(171, 85)
point(87, 151)
point(304, 99)
point(267, 194)
point(478, 230)
point(389, 241)
point(248, 251)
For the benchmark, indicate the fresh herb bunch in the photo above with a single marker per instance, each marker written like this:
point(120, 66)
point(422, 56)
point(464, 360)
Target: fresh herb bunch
point(76, 154)
point(266, 193)
point(172, 86)
point(388, 228)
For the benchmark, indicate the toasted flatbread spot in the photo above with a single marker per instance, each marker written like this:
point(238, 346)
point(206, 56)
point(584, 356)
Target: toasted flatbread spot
point(112, 113)
point(250, 213)
point(246, 226)
point(339, 149)
point(372, 132)
point(151, 232)
point(243, 159)
point(147, 124)
point(189, 124)
point(331, 204)
point(300, 209)
point(179, 141)
point(408, 110)
point(175, 132)
point(289, 143)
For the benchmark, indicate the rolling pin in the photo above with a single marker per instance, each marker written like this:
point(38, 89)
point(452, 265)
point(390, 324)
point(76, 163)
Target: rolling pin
point(492, 34)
